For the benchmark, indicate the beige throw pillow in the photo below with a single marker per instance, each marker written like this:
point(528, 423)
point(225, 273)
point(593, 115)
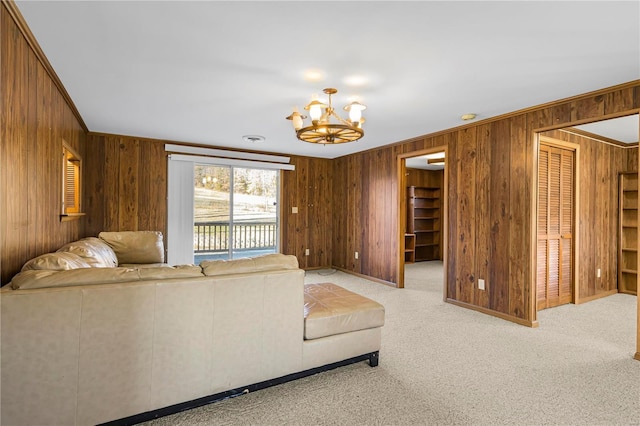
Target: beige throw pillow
point(94, 251)
point(135, 246)
point(55, 262)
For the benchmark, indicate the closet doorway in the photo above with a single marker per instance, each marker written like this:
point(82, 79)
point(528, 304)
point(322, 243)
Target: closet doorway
point(556, 223)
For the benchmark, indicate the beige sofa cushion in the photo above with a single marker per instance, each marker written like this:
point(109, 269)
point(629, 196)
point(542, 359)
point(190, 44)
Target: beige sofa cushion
point(267, 262)
point(45, 279)
point(55, 262)
point(144, 265)
point(330, 309)
point(183, 271)
point(135, 246)
point(94, 251)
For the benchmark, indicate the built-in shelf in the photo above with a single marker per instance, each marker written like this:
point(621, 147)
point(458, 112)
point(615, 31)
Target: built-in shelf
point(423, 221)
point(628, 238)
point(409, 248)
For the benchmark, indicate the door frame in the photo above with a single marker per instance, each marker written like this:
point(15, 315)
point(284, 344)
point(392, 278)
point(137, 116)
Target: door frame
point(575, 234)
point(402, 211)
point(534, 207)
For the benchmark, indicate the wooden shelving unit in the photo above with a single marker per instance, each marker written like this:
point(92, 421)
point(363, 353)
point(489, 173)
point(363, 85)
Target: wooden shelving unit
point(423, 220)
point(628, 241)
point(409, 248)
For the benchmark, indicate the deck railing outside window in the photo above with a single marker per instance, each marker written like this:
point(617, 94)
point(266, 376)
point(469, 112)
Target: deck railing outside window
point(212, 237)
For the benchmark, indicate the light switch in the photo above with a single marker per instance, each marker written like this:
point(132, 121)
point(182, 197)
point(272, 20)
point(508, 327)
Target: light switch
point(294, 210)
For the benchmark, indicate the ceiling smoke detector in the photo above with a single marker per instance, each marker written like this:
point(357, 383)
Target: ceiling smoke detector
point(253, 138)
point(467, 117)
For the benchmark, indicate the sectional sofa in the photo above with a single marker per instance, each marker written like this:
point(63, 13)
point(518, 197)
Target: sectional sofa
point(102, 330)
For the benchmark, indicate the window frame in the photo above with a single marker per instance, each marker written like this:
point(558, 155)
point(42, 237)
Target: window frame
point(70, 158)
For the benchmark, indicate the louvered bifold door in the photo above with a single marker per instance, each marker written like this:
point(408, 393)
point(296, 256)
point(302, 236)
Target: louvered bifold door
point(555, 227)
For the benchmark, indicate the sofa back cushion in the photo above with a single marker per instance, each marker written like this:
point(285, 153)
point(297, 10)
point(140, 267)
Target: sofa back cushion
point(55, 262)
point(47, 279)
point(268, 262)
point(135, 246)
point(94, 251)
point(32, 279)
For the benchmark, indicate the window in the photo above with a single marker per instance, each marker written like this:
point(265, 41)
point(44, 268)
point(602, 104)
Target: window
point(221, 208)
point(235, 212)
point(71, 185)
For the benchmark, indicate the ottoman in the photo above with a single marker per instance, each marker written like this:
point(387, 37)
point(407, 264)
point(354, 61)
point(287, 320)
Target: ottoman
point(340, 324)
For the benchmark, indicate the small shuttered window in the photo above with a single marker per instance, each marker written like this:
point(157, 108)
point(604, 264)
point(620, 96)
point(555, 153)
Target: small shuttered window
point(71, 187)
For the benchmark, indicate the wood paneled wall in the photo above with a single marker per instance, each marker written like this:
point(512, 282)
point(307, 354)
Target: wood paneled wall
point(309, 188)
point(420, 177)
point(125, 184)
point(365, 195)
point(126, 190)
point(598, 212)
point(491, 173)
point(35, 119)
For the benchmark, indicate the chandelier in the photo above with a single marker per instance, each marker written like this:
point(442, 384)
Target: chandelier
point(322, 130)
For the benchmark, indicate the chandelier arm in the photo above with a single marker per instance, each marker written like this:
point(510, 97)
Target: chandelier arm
point(340, 119)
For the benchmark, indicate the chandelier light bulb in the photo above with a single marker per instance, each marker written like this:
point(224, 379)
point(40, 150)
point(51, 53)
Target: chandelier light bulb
point(296, 119)
point(355, 112)
point(315, 109)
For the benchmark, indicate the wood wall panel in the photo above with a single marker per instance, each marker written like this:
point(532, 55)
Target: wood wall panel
point(421, 177)
point(466, 205)
point(35, 119)
point(631, 159)
point(499, 214)
point(125, 184)
point(519, 226)
point(309, 188)
point(483, 204)
point(366, 231)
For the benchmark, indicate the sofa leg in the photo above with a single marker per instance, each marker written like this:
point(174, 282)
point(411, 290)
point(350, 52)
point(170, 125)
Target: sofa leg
point(374, 358)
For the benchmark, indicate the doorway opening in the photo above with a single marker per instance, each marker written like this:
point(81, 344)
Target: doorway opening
point(422, 195)
point(602, 241)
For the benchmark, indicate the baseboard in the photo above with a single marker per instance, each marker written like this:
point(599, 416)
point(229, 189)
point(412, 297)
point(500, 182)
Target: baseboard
point(372, 357)
point(527, 323)
point(366, 277)
point(317, 268)
point(582, 300)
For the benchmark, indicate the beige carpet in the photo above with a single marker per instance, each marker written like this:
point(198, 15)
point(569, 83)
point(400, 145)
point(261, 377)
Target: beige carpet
point(441, 365)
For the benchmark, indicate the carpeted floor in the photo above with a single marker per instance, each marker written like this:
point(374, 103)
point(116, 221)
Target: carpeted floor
point(444, 365)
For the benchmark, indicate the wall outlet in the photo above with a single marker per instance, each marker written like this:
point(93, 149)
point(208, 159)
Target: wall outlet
point(294, 210)
point(480, 284)
point(306, 252)
point(598, 273)
point(356, 255)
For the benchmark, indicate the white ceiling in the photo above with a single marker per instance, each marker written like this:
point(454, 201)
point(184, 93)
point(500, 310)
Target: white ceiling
point(422, 162)
point(623, 129)
point(210, 72)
